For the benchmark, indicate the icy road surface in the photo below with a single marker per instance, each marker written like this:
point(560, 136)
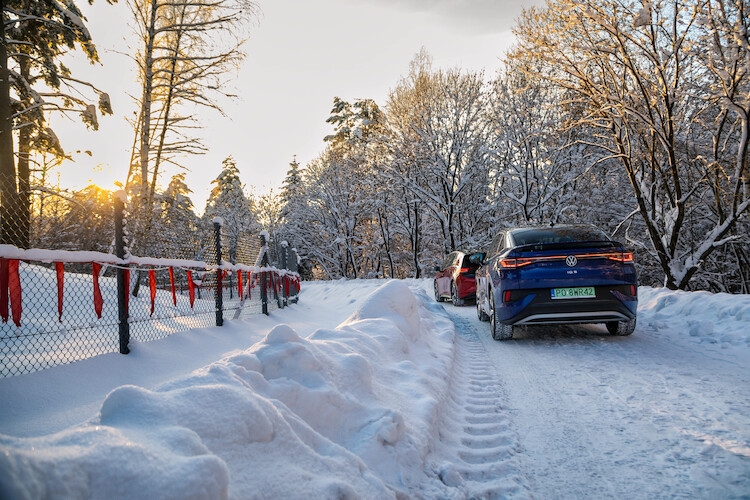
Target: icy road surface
point(646, 416)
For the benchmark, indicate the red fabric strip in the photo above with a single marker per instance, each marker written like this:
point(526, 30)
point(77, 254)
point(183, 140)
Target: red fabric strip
point(4, 266)
point(171, 283)
point(250, 285)
point(239, 284)
point(152, 288)
point(191, 288)
point(98, 302)
point(286, 285)
point(60, 274)
point(14, 287)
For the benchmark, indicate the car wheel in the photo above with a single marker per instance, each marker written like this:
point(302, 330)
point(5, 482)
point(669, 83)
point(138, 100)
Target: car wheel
point(454, 296)
point(621, 328)
point(438, 298)
point(499, 330)
point(480, 313)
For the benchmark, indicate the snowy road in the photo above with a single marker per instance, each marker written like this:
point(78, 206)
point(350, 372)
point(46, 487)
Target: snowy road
point(371, 389)
point(621, 417)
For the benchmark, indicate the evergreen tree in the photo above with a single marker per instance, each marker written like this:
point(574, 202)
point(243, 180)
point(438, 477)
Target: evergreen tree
point(292, 185)
point(38, 34)
point(228, 201)
point(176, 228)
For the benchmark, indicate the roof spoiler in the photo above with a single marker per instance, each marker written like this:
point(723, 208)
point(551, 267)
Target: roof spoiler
point(532, 247)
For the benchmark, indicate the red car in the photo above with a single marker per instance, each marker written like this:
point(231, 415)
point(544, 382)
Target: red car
point(454, 278)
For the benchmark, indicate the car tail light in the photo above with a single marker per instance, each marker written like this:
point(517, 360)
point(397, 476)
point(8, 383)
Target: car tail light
point(632, 290)
point(625, 258)
point(506, 296)
point(514, 263)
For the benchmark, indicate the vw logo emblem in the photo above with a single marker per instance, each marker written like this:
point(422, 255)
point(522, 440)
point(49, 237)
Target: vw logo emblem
point(571, 260)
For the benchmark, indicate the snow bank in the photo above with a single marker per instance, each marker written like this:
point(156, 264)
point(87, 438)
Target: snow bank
point(349, 412)
point(717, 318)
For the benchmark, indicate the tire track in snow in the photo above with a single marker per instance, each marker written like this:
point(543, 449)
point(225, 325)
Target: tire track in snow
point(477, 445)
point(637, 417)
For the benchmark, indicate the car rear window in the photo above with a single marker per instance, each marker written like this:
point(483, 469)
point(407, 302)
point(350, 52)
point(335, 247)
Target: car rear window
point(562, 234)
point(467, 263)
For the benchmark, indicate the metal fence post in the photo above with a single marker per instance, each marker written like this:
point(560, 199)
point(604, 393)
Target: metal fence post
point(284, 265)
point(263, 263)
point(219, 293)
point(295, 268)
point(123, 288)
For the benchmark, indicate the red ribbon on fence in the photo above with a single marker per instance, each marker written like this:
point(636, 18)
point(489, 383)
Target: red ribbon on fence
point(286, 285)
point(191, 288)
point(127, 292)
point(98, 302)
point(250, 285)
point(171, 283)
point(60, 271)
point(239, 284)
point(4, 268)
point(14, 286)
point(152, 288)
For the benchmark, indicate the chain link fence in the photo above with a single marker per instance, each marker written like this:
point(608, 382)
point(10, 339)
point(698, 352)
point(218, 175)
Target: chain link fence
point(61, 304)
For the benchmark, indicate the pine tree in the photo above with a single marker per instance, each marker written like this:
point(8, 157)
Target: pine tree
point(176, 228)
point(228, 201)
point(292, 182)
point(38, 34)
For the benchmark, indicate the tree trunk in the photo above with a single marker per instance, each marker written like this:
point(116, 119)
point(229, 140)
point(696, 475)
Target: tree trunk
point(8, 193)
point(24, 187)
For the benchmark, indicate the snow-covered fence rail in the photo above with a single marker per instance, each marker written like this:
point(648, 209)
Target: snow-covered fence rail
point(60, 306)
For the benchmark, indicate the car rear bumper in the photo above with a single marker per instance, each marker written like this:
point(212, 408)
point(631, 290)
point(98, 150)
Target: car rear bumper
point(537, 307)
point(466, 287)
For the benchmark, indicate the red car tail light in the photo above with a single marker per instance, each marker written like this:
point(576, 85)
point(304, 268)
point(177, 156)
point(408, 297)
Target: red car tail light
point(506, 296)
point(625, 258)
point(514, 263)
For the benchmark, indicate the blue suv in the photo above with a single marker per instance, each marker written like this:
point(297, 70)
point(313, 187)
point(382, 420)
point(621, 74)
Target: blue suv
point(556, 274)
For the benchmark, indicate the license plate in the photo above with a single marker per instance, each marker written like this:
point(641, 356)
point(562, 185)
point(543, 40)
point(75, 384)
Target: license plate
point(581, 292)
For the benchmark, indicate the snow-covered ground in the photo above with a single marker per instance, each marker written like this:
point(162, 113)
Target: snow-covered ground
point(370, 389)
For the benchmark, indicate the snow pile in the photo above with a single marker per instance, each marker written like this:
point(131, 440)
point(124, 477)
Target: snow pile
point(347, 412)
point(708, 317)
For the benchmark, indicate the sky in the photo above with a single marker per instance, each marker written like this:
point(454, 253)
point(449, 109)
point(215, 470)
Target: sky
point(300, 56)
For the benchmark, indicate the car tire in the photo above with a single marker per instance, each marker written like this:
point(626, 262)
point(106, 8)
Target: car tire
point(499, 330)
point(438, 298)
point(621, 328)
point(454, 295)
point(480, 313)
